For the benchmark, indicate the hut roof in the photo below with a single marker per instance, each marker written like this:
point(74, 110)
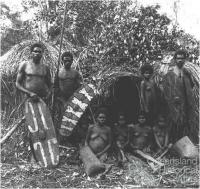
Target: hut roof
point(108, 75)
point(10, 61)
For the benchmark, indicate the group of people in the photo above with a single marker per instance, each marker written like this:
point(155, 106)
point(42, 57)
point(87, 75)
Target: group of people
point(34, 78)
point(157, 126)
point(151, 131)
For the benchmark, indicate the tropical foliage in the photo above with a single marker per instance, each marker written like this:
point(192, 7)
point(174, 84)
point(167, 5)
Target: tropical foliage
point(108, 39)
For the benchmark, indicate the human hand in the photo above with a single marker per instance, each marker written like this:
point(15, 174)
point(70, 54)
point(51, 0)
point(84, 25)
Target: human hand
point(34, 97)
point(32, 94)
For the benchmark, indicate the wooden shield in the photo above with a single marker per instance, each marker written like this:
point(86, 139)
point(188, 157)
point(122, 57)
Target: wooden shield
point(42, 133)
point(75, 107)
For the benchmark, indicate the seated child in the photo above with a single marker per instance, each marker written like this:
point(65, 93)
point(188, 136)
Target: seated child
point(160, 133)
point(99, 136)
point(121, 136)
point(140, 135)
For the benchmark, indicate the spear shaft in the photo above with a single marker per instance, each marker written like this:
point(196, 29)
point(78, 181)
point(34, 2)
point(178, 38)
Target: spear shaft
point(59, 60)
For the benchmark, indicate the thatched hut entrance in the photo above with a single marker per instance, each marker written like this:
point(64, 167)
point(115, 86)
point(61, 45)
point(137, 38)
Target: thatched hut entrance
point(126, 97)
point(120, 93)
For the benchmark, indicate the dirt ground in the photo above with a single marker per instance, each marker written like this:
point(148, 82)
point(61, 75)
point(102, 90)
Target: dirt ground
point(70, 174)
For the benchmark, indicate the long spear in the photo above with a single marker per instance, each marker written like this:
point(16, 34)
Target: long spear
point(59, 60)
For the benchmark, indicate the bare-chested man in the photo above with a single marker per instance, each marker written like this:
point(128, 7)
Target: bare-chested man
point(33, 77)
point(69, 79)
point(178, 91)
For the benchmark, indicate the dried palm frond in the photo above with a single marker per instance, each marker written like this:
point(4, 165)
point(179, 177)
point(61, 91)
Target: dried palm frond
point(10, 61)
point(107, 76)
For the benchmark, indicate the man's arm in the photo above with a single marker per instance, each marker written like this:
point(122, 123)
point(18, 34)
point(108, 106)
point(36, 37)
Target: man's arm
point(20, 79)
point(79, 80)
point(48, 81)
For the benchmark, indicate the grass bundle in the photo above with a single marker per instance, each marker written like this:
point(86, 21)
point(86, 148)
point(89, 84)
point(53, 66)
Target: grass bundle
point(106, 77)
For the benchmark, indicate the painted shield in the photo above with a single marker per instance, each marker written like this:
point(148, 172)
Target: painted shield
point(76, 105)
point(42, 133)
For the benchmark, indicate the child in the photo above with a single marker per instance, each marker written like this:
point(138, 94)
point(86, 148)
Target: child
point(121, 134)
point(149, 98)
point(99, 136)
point(140, 135)
point(121, 137)
point(161, 133)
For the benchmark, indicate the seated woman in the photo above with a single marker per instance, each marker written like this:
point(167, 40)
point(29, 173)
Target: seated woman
point(140, 135)
point(99, 136)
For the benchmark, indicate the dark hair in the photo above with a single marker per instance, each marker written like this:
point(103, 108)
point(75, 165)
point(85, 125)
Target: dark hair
point(67, 54)
point(101, 111)
point(36, 45)
point(121, 114)
point(180, 52)
point(161, 117)
point(146, 67)
point(142, 113)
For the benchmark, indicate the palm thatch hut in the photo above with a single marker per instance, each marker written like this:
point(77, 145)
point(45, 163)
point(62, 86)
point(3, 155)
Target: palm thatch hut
point(118, 86)
point(119, 89)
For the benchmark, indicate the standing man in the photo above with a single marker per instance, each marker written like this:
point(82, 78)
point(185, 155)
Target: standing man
point(178, 85)
point(69, 80)
point(33, 77)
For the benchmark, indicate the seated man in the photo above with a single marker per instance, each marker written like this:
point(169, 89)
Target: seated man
point(99, 136)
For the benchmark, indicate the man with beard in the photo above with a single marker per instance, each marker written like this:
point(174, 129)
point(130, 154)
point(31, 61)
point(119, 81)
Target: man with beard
point(177, 86)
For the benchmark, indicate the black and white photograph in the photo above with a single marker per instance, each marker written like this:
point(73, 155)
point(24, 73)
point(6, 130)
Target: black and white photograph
point(99, 93)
